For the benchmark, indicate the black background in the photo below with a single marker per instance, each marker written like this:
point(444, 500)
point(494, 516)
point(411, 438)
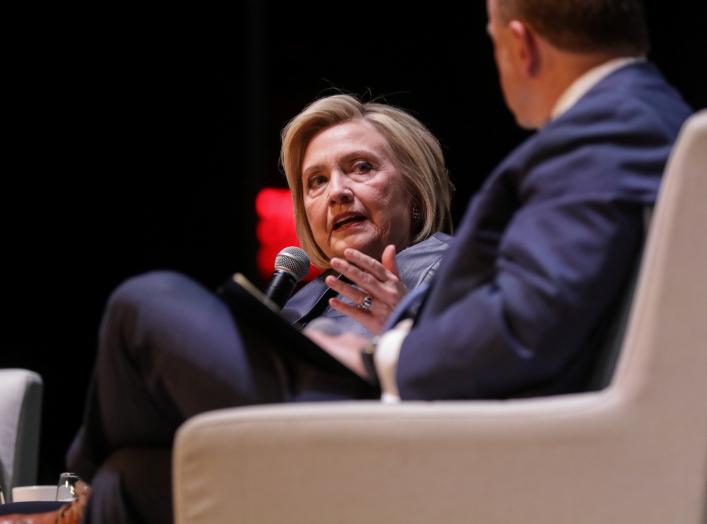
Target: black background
point(138, 137)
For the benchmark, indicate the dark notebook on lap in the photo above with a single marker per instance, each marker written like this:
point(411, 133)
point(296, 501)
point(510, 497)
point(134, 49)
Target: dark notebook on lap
point(250, 306)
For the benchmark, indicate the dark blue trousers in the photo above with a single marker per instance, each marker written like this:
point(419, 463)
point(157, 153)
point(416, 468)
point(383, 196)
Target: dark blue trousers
point(170, 349)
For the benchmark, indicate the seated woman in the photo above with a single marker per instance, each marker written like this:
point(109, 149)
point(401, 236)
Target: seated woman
point(368, 181)
point(371, 178)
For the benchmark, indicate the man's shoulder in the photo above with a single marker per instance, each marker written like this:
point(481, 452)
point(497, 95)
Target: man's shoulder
point(631, 111)
point(612, 143)
point(635, 99)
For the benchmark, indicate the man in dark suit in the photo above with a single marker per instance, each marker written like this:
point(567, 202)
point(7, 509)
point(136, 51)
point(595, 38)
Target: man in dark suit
point(546, 247)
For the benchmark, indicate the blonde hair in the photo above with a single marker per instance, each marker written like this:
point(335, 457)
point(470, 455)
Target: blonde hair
point(416, 151)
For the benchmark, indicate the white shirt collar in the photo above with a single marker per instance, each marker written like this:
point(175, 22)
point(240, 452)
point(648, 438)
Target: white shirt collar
point(584, 83)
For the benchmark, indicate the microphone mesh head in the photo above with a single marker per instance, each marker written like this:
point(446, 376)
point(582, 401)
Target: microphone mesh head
point(294, 261)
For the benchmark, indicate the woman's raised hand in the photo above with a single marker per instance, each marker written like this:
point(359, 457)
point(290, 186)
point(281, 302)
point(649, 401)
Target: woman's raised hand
point(378, 288)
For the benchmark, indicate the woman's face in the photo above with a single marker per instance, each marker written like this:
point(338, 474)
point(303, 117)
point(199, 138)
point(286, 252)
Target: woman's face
point(354, 193)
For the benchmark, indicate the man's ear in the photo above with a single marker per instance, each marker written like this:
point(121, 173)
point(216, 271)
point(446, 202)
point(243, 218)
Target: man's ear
point(526, 47)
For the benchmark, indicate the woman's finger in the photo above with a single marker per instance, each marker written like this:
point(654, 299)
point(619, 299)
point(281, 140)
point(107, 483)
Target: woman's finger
point(366, 263)
point(388, 260)
point(354, 294)
point(362, 279)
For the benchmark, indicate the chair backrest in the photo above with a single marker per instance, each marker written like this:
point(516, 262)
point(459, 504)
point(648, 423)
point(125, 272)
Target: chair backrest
point(20, 415)
point(662, 369)
point(668, 323)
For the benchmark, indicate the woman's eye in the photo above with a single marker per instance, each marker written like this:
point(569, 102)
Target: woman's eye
point(362, 166)
point(316, 181)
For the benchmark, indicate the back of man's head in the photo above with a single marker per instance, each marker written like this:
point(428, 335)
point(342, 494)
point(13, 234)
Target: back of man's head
point(585, 26)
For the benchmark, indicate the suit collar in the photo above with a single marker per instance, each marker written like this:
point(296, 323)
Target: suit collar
point(587, 81)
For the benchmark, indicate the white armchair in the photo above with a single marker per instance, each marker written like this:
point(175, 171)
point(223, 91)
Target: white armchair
point(20, 413)
point(635, 452)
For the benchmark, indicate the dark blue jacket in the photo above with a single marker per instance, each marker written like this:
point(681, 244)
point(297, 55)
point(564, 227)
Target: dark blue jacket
point(545, 249)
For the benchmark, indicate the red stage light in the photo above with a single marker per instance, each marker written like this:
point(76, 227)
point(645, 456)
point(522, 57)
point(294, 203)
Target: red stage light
point(275, 229)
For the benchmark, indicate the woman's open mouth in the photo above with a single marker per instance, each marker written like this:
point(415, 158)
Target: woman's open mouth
point(347, 220)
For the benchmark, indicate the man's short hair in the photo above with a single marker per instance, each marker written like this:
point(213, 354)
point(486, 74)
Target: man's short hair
point(613, 26)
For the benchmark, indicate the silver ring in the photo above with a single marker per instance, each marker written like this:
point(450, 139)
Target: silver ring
point(366, 303)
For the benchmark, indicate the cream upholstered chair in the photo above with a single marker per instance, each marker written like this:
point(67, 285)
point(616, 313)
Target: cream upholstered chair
point(635, 452)
point(20, 412)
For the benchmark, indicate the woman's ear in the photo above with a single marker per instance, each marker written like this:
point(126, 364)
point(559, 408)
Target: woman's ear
point(525, 46)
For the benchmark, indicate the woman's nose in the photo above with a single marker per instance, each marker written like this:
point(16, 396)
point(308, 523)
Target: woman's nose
point(339, 189)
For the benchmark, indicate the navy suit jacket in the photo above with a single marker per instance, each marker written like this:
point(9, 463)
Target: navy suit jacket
point(545, 249)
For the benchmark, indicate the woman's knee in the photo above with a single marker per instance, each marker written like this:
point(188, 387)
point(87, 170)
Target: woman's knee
point(149, 287)
point(145, 303)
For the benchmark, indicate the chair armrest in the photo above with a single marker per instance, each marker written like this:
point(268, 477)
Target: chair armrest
point(20, 416)
point(411, 462)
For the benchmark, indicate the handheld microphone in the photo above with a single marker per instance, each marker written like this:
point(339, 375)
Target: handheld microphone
point(291, 265)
